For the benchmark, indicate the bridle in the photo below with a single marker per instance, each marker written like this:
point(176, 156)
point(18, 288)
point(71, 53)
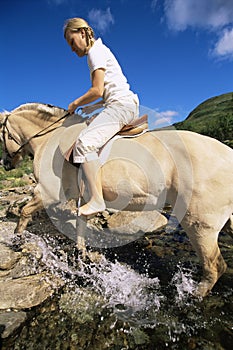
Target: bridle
point(6, 131)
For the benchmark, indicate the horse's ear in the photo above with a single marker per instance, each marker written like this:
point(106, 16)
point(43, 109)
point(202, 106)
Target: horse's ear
point(3, 115)
point(1, 119)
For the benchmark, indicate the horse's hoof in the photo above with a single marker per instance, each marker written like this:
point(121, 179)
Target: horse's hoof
point(202, 290)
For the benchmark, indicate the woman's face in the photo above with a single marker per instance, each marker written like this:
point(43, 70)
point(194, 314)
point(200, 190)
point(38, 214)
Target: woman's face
point(77, 42)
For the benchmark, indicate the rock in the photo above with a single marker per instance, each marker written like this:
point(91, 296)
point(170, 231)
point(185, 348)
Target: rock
point(140, 337)
point(82, 305)
point(11, 321)
point(8, 257)
point(26, 292)
point(24, 267)
point(133, 222)
point(33, 249)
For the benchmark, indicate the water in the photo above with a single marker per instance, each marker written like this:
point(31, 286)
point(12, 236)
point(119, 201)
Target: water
point(133, 297)
point(127, 301)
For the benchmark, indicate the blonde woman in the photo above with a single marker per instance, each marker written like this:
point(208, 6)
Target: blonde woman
point(120, 105)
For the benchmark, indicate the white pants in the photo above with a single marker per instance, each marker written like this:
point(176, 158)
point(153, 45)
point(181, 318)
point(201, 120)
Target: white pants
point(103, 128)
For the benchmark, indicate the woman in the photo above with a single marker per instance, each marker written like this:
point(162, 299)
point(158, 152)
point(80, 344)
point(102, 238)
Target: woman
point(120, 105)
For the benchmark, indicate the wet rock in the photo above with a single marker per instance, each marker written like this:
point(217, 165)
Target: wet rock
point(23, 268)
point(7, 232)
point(133, 222)
point(82, 305)
point(140, 337)
point(24, 280)
point(33, 249)
point(11, 321)
point(8, 257)
point(162, 251)
point(26, 292)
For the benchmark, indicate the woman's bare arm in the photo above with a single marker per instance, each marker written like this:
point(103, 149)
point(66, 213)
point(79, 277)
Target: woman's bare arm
point(95, 92)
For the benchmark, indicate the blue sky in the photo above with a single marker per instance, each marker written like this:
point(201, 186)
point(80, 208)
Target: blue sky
point(175, 53)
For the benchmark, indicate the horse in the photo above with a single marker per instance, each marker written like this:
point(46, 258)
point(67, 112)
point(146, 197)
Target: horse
point(191, 172)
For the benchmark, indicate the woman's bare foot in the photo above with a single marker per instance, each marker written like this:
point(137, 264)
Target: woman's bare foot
point(92, 207)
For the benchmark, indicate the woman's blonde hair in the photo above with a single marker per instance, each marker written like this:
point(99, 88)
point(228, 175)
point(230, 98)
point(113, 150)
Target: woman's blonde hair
point(75, 24)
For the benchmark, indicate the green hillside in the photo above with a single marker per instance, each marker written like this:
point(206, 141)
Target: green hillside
point(213, 117)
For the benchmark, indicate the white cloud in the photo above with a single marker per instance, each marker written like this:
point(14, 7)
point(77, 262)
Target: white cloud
point(164, 118)
point(100, 19)
point(224, 46)
point(211, 14)
point(158, 118)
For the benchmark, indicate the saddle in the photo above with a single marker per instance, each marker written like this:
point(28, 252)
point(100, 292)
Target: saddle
point(130, 130)
point(136, 127)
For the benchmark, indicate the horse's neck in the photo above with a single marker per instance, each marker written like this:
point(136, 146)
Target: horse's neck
point(27, 126)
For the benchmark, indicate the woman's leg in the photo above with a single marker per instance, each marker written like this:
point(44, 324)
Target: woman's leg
point(91, 139)
point(92, 171)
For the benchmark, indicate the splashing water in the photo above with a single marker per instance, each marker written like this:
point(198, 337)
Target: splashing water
point(184, 284)
point(131, 295)
point(170, 316)
point(42, 253)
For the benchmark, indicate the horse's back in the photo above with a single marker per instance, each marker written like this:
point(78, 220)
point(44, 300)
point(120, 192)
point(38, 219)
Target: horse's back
point(178, 143)
point(189, 163)
point(200, 148)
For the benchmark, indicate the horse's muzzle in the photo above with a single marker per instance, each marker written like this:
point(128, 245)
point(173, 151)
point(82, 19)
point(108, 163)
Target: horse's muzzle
point(7, 164)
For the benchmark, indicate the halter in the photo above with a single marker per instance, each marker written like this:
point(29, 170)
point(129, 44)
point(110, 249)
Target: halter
point(21, 146)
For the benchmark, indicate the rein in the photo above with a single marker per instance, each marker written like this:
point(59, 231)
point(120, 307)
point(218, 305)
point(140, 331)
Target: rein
point(38, 134)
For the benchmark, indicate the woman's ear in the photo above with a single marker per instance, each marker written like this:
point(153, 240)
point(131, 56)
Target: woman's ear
point(83, 33)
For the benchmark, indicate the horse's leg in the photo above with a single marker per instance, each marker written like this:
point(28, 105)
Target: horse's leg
point(81, 227)
point(204, 240)
point(32, 206)
point(81, 224)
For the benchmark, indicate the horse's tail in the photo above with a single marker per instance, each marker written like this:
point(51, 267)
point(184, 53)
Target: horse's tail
point(228, 228)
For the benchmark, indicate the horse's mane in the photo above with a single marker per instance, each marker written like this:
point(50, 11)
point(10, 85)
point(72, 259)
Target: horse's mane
point(44, 108)
point(44, 112)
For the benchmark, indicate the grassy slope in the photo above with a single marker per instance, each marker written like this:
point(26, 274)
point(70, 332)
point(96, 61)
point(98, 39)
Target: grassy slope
point(213, 117)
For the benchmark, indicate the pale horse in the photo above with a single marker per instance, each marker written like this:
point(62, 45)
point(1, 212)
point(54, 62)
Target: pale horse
point(191, 172)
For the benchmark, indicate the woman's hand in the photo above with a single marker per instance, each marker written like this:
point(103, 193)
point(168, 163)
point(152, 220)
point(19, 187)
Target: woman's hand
point(72, 107)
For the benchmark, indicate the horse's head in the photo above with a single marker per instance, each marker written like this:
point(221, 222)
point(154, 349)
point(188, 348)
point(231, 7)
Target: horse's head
point(12, 155)
point(24, 129)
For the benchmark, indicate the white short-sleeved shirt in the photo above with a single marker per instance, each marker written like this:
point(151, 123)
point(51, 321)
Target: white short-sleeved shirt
point(116, 86)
